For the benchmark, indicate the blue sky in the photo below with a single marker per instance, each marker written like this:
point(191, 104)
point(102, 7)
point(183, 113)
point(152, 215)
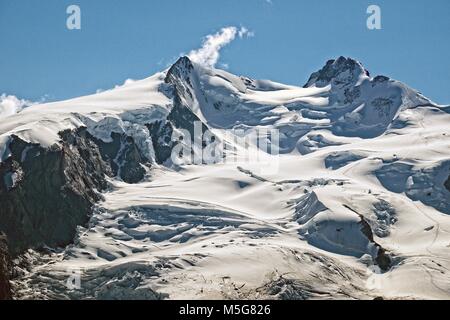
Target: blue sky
point(122, 39)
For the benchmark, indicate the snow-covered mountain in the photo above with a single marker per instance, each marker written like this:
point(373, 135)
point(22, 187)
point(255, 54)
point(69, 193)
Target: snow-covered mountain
point(357, 205)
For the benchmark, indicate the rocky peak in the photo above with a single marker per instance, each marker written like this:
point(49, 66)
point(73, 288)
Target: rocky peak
point(181, 79)
point(340, 72)
point(179, 70)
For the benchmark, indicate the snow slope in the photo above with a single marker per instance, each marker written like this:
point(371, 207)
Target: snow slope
point(123, 109)
point(356, 209)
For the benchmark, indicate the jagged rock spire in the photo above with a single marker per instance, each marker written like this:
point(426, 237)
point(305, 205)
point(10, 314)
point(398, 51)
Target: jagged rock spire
point(179, 70)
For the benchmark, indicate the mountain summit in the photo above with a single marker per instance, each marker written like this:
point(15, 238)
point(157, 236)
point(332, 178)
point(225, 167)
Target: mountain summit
point(340, 72)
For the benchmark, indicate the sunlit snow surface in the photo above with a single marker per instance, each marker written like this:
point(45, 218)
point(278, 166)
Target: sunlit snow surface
point(232, 230)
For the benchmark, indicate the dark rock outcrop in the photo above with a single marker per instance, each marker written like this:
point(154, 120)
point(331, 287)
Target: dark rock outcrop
point(46, 193)
point(130, 160)
point(180, 117)
point(161, 133)
point(447, 184)
point(123, 157)
point(382, 259)
point(340, 72)
point(180, 76)
point(5, 269)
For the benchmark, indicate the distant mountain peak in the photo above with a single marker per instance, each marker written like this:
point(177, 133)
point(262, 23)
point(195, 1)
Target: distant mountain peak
point(339, 72)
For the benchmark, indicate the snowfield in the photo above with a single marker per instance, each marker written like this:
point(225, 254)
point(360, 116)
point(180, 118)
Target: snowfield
point(357, 207)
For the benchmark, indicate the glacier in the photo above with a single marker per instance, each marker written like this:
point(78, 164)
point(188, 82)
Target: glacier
point(358, 207)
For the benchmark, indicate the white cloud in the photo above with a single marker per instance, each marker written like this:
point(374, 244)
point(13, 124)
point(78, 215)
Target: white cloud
point(209, 53)
point(10, 105)
point(244, 32)
point(126, 83)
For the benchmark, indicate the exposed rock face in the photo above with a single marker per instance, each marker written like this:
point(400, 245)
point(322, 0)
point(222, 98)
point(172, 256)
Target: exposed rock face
point(180, 78)
point(381, 259)
point(5, 269)
point(340, 72)
point(123, 157)
point(447, 184)
point(46, 193)
point(50, 191)
point(344, 76)
point(161, 132)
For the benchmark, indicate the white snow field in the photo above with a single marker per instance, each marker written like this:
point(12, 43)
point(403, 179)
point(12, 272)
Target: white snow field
point(359, 179)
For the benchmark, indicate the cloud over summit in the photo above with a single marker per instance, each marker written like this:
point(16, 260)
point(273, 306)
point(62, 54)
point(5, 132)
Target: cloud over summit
point(209, 53)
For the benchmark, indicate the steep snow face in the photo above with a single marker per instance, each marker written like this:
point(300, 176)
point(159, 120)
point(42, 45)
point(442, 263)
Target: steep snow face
point(357, 208)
